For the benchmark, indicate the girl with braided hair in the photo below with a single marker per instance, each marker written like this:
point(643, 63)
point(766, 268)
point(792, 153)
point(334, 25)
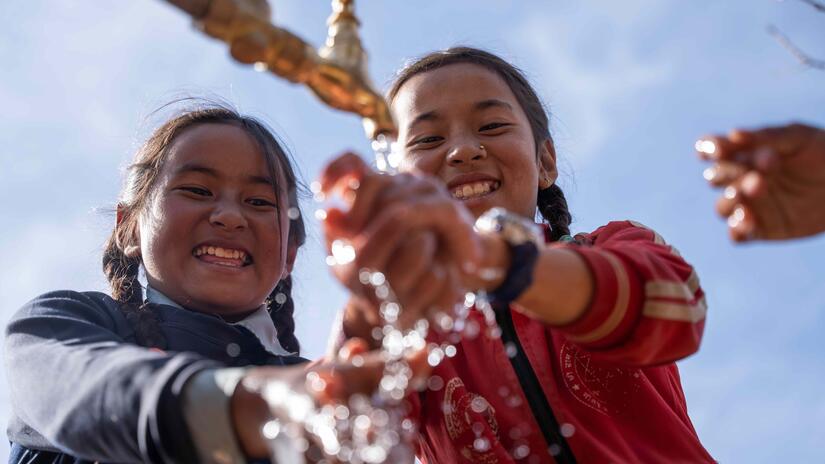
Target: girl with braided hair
point(209, 212)
point(591, 324)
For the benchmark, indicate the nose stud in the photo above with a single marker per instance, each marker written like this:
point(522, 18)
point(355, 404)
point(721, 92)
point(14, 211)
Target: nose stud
point(481, 147)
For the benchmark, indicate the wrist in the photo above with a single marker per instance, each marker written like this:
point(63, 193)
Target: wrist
point(250, 412)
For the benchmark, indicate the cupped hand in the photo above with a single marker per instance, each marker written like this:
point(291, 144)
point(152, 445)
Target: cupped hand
point(408, 228)
point(773, 181)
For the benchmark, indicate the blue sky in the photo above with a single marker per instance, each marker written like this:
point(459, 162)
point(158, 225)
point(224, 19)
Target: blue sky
point(630, 85)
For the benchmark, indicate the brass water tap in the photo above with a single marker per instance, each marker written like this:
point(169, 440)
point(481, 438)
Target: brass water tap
point(336, 73)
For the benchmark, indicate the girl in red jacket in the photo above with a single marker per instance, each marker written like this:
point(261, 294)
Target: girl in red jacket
point(590, 325)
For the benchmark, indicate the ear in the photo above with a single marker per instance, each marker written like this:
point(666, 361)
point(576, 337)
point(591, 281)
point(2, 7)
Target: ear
point(133, 250)
point(547, 164)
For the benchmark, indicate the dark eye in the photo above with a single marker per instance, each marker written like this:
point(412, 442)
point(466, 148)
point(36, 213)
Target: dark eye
point(426, 140)
point(260, 202)
point(493, 126)
point(199, 191)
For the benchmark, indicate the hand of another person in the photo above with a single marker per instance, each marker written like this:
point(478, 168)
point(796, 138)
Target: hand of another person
point(773, 179)
point(405, 226)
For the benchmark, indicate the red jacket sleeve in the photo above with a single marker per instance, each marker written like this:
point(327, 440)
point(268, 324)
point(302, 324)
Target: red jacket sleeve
point(647, 308)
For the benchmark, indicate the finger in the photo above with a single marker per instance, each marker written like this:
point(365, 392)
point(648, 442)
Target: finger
point(411, 260)
point(742, 224)
point(347, 165)
point(361, 196)
point(784, 140)
point(715, 148)
point(418, 303)
point(452, 222)
point(729, 200)
point(352, 348)
point(723, 173)
point(753, 185)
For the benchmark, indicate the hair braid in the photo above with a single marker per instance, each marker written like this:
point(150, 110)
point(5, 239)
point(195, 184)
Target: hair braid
point(553, 208)
point(122, 273)
point(281, 309)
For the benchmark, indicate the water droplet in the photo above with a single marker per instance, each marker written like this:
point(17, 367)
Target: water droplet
point(478, 428)
point(330, 260)
point(521, 451)
point(511, 349)
point(435, 383)
point(260, 66)
point(471, 330)
point(479, 404)
point(357, 360)
point(377, 279)
point(554, 450)
point(343, 252)
point(293, 213)
point(450, 351)
point(272, 429)
point(280, 298)
point(320, 214)
point(233, 350)
point(567, 430)
point(435, 357)
point(341, 412)
point(481, 444)
point(514, 401)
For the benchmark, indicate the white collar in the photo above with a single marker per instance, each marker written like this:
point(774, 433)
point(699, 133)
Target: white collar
point(259, 323)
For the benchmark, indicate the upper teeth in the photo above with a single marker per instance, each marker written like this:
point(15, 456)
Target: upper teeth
point(475, 189)
point(220, 252)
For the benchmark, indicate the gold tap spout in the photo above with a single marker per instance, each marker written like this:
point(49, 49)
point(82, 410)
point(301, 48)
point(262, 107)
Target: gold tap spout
point(336, 73)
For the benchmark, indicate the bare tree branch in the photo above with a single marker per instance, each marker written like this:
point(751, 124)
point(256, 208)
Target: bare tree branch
point(814, 3)
point(786, 42)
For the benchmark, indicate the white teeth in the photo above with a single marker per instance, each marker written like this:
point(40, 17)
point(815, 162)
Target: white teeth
point(220, 252)
point(475, 189)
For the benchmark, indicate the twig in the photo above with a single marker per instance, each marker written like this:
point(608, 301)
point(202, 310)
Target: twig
point(786, 42)
point(814, 3)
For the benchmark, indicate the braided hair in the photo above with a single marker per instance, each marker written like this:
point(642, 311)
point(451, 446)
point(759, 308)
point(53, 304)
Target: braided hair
point(121, 264)
point(550, 202)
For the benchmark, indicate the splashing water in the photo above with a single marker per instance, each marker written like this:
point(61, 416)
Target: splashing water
point(373, 429)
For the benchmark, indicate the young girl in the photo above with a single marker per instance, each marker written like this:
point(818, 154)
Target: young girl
point(591, 326)
point(209, 212)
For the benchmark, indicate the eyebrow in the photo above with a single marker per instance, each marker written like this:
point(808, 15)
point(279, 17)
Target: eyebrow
point(199, 168)
point(482, 105)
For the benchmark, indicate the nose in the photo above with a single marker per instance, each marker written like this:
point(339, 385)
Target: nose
point(227, 214)
point(466, 151)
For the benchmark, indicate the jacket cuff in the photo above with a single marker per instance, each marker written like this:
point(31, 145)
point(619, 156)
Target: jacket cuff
point(206, 409)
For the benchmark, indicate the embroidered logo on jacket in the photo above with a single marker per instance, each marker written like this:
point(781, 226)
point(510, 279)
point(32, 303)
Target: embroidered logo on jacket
point(606, 389)
point(471, 422)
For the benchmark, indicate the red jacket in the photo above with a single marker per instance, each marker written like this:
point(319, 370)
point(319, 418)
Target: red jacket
point(609, 376)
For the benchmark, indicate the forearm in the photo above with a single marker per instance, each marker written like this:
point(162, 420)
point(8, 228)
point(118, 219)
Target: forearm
point(562, 288)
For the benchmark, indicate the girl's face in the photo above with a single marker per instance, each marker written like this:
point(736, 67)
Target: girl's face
point(447, 115)
point(214, 234)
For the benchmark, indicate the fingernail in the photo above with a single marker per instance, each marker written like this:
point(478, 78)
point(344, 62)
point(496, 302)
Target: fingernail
point(730, 192)
point(750, 182)
point(736, 218)
point(705, 146)
point(710, 173)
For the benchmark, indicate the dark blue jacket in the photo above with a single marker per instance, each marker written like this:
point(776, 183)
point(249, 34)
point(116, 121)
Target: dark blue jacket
point(83, 390)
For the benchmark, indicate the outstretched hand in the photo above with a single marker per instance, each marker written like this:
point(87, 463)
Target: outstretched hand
point(773, 180)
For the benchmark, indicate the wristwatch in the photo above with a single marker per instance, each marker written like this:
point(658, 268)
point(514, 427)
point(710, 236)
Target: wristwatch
point(524, 239)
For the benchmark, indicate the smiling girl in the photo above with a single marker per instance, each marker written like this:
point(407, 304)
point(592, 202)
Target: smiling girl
point(591, 325)
point(209, 211)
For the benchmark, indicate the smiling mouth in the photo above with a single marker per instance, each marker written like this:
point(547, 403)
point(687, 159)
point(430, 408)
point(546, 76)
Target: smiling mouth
point(222, 256)
point(475, 189)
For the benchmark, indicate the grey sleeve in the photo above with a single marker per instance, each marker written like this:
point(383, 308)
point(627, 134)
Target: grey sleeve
point(89, 393)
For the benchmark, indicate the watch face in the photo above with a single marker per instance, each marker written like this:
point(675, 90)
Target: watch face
point(513, 228)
